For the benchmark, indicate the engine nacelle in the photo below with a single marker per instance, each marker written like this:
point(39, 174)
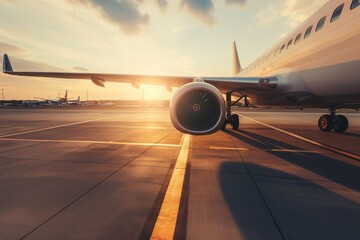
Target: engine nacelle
point(197, 108)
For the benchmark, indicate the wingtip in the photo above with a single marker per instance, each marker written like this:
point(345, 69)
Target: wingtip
point(6, 64)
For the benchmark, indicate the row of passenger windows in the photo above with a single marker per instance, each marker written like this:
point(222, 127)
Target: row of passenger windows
point(336, 14)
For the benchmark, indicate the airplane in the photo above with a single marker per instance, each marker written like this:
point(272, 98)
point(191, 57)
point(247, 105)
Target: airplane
point(59, 100)
point(74, 102)
point(316, 65)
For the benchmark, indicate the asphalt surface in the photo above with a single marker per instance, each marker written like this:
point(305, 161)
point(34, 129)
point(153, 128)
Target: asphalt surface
point(73, 173)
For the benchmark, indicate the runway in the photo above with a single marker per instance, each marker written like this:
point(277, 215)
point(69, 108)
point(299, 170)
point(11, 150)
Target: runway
point(77, 173)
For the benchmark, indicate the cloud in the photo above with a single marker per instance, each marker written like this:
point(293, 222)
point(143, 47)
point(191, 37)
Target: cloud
point(201, 9)
point(8, 48)
point(22, 64)
point(239, 3)
point(19, 64)
point(123, 13)
point(298, 10)
point(162, 4)
point(81, 69)
point(268, 15)
point(294, 11)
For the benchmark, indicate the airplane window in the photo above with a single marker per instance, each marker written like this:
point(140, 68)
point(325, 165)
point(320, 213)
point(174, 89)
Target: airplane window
point(320, 23)
point(282, 48)
point(298, 37)
point(354, 4)
point(337, 13)
point(308, 32)
point(289, 44)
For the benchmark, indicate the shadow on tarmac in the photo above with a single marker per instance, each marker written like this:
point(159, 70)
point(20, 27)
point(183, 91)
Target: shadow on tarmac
point(349, 134)
point(299, 208)
point(321, 164)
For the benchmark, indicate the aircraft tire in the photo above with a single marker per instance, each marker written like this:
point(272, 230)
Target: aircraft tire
point(224, 125)
point(326, 123)
point(235, 121)
point(341, 123)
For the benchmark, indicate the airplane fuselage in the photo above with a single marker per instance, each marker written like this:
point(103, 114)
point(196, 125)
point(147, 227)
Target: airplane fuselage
point(322, 69)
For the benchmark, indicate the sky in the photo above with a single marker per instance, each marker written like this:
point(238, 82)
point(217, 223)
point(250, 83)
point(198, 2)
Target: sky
point(157, 37)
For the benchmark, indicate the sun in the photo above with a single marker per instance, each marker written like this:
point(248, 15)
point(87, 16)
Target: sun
point(155, 93)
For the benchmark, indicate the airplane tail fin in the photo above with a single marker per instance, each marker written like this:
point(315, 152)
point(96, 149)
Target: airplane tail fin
point(78, 99)
point(6, 64)
point(66, 92)
point(236, 62)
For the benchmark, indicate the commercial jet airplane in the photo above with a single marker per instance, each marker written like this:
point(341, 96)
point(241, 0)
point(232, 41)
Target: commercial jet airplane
point(74, 102)
point(316, 65)
point(59, 100)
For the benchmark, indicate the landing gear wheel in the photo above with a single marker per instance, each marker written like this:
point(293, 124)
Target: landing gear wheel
point(341, 123)
point(224, 125)
point(235, 121)
point(326, 123)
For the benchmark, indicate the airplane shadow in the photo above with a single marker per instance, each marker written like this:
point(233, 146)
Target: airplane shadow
point(298, 208)
point(321, 164)
point(301, 208)
point(350, 134)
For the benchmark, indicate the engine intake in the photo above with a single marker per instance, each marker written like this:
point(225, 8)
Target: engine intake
point(197, 108)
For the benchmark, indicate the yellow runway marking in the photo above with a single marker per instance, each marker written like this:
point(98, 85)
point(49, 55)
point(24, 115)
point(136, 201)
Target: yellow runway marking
point(54, 127)
point(333, 149)
point(166, 221)
point(92, 142)
point(265, 150)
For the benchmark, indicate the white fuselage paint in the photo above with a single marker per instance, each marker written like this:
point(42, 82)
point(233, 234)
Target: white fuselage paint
point(321, 70)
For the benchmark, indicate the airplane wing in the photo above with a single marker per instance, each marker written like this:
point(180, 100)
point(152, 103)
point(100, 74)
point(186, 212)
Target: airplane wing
point(224, 84)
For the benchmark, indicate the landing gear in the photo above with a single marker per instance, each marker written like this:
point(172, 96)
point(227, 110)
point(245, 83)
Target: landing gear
point(326, 123)
point(232, 119)
point(341, 123)
point(338, 123)
point(235, 121)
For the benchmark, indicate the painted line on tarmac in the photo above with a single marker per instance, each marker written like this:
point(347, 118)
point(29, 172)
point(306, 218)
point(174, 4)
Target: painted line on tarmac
point(54, 127)
point(166, 222)
point(332, 149)
point(265, 150)
point(91, 142)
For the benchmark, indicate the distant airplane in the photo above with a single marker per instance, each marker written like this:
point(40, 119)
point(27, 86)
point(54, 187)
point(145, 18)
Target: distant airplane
point(316, 65)
point(59, 100)
point(74, 102)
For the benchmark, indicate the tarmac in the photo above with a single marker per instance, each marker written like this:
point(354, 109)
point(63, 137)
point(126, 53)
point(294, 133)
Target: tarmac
point(79, 173)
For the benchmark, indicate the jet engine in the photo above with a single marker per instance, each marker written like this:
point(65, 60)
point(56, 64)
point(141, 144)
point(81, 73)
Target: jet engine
point(197, 108)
